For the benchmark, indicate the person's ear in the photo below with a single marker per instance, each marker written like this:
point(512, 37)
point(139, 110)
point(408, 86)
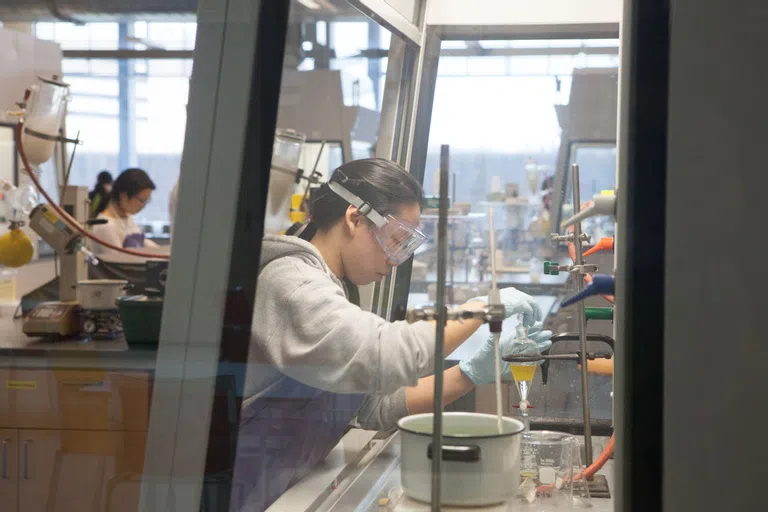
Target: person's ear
point(353, 220)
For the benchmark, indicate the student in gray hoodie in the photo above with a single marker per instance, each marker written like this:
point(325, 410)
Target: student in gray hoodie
point(316, 360)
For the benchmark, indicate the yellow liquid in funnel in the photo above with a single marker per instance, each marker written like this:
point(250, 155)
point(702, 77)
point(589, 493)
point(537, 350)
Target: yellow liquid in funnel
point(523, 372)
point(523, 375)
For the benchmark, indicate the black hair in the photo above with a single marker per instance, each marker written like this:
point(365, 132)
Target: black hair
point(99, 197)
point(104, 178)
point(383, 184)
point(130, 182)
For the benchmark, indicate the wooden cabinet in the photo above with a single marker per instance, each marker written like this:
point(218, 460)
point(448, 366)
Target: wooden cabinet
point(74, 399)
point(72, 440)
point(76, 470)
point(9, 443)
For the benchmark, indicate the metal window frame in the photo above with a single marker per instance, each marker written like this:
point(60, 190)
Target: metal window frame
point(640, 257)
point(562, 174)
point(388, 17)
point(405, 69)
point(234, 97)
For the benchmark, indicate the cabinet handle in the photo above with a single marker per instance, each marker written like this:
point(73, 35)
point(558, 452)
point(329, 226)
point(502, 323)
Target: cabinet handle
point(26, 458)
point(5, 458)
point(82, 383)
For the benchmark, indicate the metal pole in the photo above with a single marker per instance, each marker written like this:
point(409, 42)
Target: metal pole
point(581, 320)
point(442, 257)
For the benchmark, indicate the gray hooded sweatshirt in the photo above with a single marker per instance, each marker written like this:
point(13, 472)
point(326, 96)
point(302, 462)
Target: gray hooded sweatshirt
point(305, 327)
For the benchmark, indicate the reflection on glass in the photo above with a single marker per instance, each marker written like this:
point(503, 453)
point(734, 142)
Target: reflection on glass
point(597, 172)
point(321, 157)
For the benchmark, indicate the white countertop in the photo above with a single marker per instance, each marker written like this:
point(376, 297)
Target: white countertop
point(373, 477)
point(302, 495)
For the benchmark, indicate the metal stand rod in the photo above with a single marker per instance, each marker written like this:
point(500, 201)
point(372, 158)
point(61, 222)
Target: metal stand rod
point(581, 320)
point(442, 257)
point(495, 328)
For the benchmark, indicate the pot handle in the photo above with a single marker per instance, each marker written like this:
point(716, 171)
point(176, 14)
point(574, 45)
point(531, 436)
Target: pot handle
point(457, 452)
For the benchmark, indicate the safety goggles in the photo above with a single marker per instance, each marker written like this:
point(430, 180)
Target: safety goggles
point(398, 240)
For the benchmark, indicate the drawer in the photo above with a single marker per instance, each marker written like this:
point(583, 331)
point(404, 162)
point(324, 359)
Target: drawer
point(76, 399)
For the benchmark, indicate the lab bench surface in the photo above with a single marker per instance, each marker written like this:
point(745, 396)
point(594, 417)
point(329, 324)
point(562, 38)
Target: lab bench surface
point(17, 350)
point(374, 478)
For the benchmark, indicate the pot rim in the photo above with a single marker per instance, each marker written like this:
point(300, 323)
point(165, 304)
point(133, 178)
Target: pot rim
point(103, 282)
point(520, 430)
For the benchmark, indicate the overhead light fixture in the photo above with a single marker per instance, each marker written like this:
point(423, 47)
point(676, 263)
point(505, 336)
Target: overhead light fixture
point(327, 5)
point(310, 4)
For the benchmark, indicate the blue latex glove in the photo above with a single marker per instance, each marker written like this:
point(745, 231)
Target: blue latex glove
point(541, 338)
point(480, 367)
point(518, 303)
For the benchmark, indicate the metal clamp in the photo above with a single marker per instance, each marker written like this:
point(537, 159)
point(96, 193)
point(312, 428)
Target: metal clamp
point(551, 268)
point(590, 356)
point(52, 138)
point(491, 313)
point(583, 269)
point(558, 239)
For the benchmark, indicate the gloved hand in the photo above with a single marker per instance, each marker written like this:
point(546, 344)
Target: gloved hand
point(517, 303)
point(480, 367)
point(539, 337)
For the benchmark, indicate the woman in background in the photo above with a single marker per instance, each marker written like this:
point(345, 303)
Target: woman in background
point(99, 196)
point(131, 192)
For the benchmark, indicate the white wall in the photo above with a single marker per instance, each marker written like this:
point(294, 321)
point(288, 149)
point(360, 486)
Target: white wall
point(522, 12)
point(22, 59)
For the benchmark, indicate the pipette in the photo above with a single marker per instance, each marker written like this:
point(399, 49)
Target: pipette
point(495, 298)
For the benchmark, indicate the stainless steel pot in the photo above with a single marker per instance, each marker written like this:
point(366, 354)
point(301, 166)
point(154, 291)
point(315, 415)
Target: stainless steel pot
point(480, 466)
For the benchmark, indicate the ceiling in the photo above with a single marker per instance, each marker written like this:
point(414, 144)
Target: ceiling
point(114, 10)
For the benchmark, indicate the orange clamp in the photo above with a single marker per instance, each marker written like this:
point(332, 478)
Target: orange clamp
point(605, 244)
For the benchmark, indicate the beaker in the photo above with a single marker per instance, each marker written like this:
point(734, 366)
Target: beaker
point(551, 473)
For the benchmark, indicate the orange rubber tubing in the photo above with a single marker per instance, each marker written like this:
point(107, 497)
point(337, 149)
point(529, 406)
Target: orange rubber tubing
point(65, 216)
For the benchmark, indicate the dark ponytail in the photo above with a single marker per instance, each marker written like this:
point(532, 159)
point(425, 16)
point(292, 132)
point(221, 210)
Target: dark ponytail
point(383, 184)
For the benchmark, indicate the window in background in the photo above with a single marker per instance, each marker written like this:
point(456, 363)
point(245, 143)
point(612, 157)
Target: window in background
point(497, 113)
point(128, 113)
point(363, 69)
point(161, 116)
point(597, 172)
point(327, 161)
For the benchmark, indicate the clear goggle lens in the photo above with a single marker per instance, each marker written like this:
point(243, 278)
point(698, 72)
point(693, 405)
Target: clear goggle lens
point(399, 241)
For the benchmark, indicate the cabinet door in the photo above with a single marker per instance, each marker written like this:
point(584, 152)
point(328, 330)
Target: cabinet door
point(6, 411)
point(33, 400)
point(9, 447)
point(68, 470)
